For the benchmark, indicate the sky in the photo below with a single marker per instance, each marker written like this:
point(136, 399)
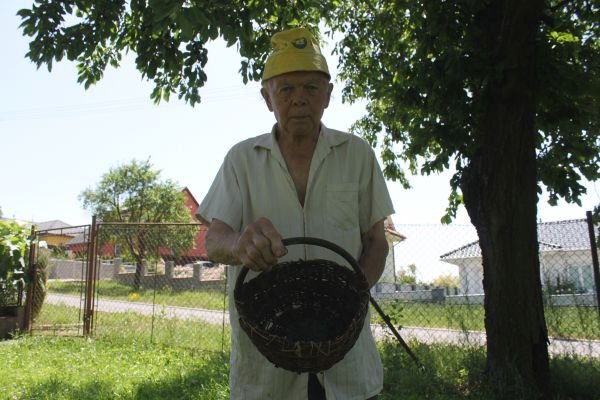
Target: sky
point(58, 139)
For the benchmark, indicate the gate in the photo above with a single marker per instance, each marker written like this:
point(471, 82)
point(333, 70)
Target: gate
point(59, 281)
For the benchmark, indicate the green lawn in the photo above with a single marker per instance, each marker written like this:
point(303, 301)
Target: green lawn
point(563, 322)
point(135, 357)
point(130, 326)
point(114, 290)
point(75, 368)
point(123, 367)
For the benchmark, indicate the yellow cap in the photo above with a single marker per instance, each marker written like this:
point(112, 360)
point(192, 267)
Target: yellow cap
point(294, 50)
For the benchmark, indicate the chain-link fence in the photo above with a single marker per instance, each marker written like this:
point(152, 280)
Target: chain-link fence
point(147, 281)
point(154, 282)
point(436, 290)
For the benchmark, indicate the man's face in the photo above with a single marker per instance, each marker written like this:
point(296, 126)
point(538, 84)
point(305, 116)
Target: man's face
point(298, 100)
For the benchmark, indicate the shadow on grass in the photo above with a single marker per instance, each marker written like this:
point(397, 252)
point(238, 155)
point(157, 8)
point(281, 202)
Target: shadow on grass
point(453, 373)
point(205, 382)
point(449, 372)
point(575, 377)
point(58, 390)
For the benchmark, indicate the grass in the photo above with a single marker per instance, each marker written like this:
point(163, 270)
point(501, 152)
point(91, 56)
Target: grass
point(111, 289)
point(130, 326)
point(184, 359)
point(75, 368)
point(573, 322)
point(563, 322)
point(37, 367)
point(453, 372)
point(132, 356)
point(168, 331)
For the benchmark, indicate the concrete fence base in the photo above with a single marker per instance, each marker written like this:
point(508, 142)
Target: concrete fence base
point(125, 274)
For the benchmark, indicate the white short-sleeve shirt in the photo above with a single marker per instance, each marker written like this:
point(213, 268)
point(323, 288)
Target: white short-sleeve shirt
point(346, 194)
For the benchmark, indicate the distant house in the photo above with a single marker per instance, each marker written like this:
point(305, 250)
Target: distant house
point(190, 201)
point(78, 243)
point(393, 237)
point(565, 259)
point(198, 252)
point(55, 233)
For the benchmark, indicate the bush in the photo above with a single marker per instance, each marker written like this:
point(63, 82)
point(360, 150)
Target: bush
point(40, 281)
point(14, 242)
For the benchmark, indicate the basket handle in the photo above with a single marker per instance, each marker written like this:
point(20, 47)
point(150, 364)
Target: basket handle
point(316, 242)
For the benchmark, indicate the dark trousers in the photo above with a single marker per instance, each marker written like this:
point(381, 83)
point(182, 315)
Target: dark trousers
point(316, 390)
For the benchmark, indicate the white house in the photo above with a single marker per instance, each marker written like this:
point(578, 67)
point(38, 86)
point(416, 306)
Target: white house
point(565, 260)
point(393, 237)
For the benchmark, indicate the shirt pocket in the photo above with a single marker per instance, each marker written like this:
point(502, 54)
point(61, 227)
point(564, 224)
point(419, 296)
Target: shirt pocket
point(342, 205)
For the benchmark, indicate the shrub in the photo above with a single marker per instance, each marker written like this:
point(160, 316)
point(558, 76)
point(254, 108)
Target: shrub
point(40, 281)
point(14, 242)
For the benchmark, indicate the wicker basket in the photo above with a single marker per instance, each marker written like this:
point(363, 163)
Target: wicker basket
point(304, 316)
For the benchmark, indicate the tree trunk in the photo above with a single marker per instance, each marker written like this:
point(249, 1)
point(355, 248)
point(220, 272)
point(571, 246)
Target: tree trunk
point(500, 195)
point(137, 278)
point(138, 254)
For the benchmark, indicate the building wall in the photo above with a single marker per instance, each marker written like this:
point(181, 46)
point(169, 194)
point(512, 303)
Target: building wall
point(559, 270)
point(389, 271)
point(470, 273)
point(75, 270)
point(567, 271)
point(55, 240)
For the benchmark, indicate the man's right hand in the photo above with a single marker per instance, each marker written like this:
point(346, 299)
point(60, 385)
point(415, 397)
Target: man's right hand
point(258, 246)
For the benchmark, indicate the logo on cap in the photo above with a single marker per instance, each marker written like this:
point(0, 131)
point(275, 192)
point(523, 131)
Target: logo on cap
point(300, 43)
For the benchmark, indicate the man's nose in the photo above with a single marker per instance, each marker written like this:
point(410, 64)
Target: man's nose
point(300, 98)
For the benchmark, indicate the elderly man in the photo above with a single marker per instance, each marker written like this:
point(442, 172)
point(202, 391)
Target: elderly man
point(301, 179)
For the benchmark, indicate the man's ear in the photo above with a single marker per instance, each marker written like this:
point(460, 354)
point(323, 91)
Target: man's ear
point(265, 95)
point(329, 91)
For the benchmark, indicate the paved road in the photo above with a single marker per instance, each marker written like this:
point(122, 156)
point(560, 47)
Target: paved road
point(118, 306)
point(589, 348)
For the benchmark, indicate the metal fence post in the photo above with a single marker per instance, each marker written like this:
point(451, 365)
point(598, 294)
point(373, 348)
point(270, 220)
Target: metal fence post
point(31, 289)
point(88, 313)
point(594, 249)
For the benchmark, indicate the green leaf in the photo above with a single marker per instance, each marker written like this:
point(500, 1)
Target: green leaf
point(188, 30)
point(199, 17)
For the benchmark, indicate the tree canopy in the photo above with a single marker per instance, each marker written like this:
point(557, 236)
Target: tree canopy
point(424, 70)
point(415, 61)
point(168, 37)
point(135, 193)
